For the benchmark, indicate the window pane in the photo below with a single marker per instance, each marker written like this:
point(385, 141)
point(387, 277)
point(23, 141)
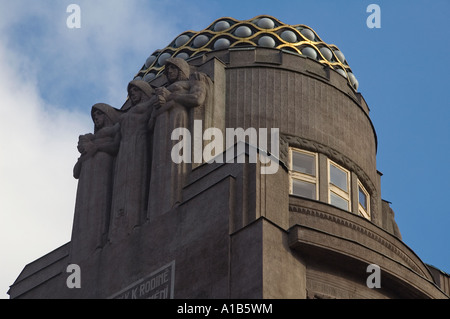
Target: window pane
point(303, 189)
point(362, 198)
point(338, 177)
point(338, 201)
point(303, 163)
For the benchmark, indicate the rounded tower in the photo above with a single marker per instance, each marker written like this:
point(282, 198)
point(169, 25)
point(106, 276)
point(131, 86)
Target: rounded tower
point(254, 158)
point(326, 198)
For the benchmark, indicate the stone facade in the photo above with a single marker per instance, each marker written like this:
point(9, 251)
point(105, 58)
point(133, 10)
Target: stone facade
point(226, 230)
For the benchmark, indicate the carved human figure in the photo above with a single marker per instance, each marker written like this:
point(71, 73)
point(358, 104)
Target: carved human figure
point(132, 171)
point(183, 93)
point(94, 171)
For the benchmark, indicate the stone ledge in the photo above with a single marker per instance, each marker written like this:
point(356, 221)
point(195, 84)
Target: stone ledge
point(346, 254)
point(350, 227)
point(40, 271)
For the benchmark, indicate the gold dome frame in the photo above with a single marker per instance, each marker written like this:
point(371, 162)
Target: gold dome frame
point(154, 65)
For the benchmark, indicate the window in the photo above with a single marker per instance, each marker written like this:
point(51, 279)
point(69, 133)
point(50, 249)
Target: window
point(363, 201)
point(338, 186)
point(303, 173)
point(343, 192)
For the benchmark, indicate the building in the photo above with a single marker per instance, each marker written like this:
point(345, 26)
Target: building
point(293, 210)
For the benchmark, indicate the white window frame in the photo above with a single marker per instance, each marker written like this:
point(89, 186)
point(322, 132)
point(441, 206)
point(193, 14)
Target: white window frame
point(295, 175)
point(363, 212)
point(337, 190)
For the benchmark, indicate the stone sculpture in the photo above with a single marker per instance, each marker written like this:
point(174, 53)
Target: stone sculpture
point(173, 107)
point(94, 171)
point(131, 176)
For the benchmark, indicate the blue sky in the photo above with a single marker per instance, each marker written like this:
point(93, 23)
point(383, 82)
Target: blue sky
point(52, 75)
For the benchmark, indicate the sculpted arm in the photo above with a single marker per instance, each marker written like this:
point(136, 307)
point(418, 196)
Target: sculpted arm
point(146, 107)
point(162, 107)
point(88, 146)
point(77, 169)
point(83, 142)
point(195, 97)
point(161, 103)
point(110, 147)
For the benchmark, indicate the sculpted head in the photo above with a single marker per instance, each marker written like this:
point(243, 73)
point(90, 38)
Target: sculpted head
point(135, 94)
point(139, 91)
point(177, 69)
point(99, 118)
point(103, 115)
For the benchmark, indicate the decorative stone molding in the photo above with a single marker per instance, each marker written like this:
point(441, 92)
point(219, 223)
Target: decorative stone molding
point(364, 231)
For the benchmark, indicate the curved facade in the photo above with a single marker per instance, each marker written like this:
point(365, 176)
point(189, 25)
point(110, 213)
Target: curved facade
point(312, 229)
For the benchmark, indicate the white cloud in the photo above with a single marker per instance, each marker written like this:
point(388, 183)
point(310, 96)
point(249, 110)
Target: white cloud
point(38, 150)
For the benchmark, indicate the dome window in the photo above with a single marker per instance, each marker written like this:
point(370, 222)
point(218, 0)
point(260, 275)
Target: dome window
point(303, 173)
